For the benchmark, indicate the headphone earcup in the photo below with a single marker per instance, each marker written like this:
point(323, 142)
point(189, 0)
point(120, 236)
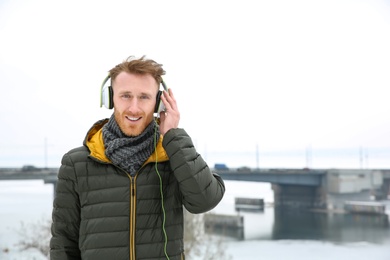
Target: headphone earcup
point(111, 97)
point(107, 97)
point(159, 104)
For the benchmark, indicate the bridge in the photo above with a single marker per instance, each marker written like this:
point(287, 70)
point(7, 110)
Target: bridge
point(305, 177)
point(48, 175)
point(325, 189)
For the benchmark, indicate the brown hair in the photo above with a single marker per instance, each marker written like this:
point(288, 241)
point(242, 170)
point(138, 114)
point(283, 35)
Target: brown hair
point(140, 66)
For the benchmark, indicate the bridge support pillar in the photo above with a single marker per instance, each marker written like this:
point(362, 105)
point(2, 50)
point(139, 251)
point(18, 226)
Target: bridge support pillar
point(298, 196)
point(52, 181)
point(384, 191)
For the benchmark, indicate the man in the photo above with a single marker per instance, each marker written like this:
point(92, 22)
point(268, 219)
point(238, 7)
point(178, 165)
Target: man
point(121, 194)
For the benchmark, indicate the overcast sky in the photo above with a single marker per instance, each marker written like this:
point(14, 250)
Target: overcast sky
point(259, 83)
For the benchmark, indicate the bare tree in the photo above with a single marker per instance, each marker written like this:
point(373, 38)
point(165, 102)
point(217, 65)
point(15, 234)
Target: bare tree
point(199, 244)
point(35, 235)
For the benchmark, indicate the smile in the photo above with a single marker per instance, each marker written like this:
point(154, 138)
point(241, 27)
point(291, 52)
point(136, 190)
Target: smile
point(133, 118)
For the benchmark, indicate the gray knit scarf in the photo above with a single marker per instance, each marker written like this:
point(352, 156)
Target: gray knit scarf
point(129, 152)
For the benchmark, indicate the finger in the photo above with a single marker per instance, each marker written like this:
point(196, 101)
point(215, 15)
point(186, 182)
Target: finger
point(168, 102)
point(170, 92)
point(165, 101)
point(162, 116)
point(170, 98)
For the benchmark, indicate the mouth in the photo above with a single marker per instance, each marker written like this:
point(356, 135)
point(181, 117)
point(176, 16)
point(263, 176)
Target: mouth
point(133, 119)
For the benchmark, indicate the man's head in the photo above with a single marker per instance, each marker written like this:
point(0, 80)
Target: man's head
point(135, 84)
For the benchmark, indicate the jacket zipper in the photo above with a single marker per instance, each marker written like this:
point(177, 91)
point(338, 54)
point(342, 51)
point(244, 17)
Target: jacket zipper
point(132, 216)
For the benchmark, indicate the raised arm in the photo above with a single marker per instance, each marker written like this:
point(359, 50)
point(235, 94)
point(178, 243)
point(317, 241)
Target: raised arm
point(202, 190)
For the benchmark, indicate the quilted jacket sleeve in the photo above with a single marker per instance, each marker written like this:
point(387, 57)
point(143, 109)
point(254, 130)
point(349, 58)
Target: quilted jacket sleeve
point(66, 214)
point(202, 190)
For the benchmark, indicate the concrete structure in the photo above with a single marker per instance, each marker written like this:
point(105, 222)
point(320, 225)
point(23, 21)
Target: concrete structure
point(249, 204)
point(371, 207)
point(227, 225)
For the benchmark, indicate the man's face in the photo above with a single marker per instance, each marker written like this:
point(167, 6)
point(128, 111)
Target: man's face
point(134, 101)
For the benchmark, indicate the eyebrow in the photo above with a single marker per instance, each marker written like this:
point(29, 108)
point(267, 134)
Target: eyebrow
point(129, 92)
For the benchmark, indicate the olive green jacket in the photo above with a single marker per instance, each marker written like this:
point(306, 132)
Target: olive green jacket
point(101, 212)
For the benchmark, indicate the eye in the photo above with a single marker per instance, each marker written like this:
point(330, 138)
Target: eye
point(144, 97)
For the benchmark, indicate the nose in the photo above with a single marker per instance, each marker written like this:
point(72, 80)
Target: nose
point(133, 106)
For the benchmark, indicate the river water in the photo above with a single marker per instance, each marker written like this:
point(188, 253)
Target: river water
point(273, 234)
point(268, 234)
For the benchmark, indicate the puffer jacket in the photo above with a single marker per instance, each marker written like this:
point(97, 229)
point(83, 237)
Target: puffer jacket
point(101, 212)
